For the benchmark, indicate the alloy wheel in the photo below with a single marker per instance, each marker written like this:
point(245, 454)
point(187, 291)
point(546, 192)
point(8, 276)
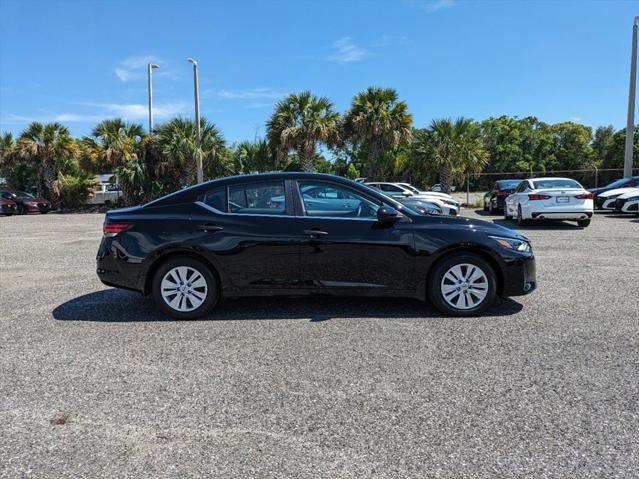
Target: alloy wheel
point(184, 289)
point(464, 286)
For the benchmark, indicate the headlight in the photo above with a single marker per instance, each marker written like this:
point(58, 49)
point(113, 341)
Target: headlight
point(514, 244)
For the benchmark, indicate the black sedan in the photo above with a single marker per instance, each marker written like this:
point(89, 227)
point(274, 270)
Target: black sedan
point(259, 235)
point(495, 199)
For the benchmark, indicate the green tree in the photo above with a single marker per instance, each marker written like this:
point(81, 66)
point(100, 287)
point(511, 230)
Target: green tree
point(572, 146)
point(178, 151)
point(45, 145)
point(377, 123)
point(115, 146)
point(453, 147)
point(253, 156)
point(300, 122)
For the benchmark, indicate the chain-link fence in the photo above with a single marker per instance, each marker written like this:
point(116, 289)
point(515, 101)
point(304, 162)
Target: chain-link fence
point(589, 178)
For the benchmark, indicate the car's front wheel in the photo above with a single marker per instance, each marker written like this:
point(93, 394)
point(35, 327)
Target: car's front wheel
point(462, 284)
point(185, 288)
point(583, 223)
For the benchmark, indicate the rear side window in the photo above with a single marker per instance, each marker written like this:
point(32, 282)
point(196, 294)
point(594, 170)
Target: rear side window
point(216, 199)
point(260, 198)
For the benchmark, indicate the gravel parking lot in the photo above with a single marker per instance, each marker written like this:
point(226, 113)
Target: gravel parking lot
point(94, 383)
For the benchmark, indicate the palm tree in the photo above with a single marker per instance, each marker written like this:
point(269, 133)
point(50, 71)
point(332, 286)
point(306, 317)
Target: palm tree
point(454, 147)
point(300, 122)
point(249, 157)
point(376, 123)
point(178, 151)
point(46, 145)
point(116, 145)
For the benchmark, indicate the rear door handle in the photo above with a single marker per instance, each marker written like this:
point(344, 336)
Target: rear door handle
point(209, 228)
point(315, 232)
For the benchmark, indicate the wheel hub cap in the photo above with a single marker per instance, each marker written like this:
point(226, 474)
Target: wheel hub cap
point(464, 286)
point(184, 289)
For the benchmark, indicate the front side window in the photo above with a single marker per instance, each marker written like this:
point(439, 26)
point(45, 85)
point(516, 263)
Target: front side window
point(260, 198)
point(216, 199)
point(335, 201)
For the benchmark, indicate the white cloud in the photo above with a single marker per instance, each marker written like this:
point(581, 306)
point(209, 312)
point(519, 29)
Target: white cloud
point(436, 5)
point(140, 111)
point(250, 94)
point(135, 68)
point(347, 51)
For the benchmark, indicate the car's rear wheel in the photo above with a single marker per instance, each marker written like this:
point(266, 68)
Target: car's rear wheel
point(185, 288)
point(462, 284)
point(485, 205)
point(583, 223)
point(520, 218)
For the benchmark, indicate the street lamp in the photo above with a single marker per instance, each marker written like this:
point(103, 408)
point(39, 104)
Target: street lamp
point(196, 90)
point(630, 125)
point(151, 67)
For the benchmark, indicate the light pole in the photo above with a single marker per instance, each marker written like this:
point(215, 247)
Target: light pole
point(630, 126)
point(196, 89)
point(151, 67)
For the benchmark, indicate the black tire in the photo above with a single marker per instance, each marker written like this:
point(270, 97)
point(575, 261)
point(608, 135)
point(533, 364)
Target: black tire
point(583, 223)
point(485, 207)
point(436, 295)
point(212, 287)
point(520, 220)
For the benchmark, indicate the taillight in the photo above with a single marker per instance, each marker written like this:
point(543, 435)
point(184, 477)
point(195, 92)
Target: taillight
point(113, 229)
point(585, 196)
point(274, 204)
point(502, 193)
point(538, 197)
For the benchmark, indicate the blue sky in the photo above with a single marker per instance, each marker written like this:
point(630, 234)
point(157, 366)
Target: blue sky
point(81, 61)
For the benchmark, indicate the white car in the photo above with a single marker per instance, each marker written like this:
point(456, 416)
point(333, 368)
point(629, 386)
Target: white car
point(631, 206)
point(550, 199)
point(607, 200)
point(403, 190)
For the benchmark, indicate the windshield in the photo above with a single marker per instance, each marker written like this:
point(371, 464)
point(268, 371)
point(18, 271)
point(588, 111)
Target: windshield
point(558, 183)
point(410, 187)
point(618, 183)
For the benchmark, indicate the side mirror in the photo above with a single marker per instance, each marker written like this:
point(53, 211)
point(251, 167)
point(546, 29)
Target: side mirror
point(388, 215)
point(407, 193)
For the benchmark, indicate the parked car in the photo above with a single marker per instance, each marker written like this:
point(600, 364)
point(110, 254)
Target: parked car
point(325, 200)
point(607, 199)
point(620, 183)
point(399, 191)
point(106, 194)
point(26, 202)
point(423, 207)
point(430, 194)
point(631, 205)
point(8, 207)
point(621, 200)
point(226, 238)
point(439, 187)
point(548, 199)
point(494, 200)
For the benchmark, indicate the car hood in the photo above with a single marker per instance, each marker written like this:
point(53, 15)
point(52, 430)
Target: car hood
point(619, 191)
point(479, 226)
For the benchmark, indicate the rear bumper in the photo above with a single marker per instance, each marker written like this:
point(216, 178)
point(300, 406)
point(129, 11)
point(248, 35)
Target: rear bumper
point(561, 215)
point(114, 270)
point(520, 276)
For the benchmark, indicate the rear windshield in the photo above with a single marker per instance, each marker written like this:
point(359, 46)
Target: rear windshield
point(508, 183)
point(543, 184)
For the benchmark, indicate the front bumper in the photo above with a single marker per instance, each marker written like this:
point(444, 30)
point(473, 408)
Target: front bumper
point(520, 276)
point(9, 209)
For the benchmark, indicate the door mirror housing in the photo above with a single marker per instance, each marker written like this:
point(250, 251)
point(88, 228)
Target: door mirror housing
point(407, 193)
point(388, 215)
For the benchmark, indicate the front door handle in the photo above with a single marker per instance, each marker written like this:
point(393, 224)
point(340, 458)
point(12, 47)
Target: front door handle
point(315, 232)
point(209, 228)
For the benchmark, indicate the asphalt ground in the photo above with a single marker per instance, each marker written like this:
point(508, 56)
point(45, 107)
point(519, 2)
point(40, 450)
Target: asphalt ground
point(94, 383)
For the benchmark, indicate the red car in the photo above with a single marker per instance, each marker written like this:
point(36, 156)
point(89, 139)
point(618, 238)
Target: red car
point(8, 207)
point(26, 202)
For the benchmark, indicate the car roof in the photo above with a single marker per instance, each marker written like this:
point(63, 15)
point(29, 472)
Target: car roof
point(189, 193)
